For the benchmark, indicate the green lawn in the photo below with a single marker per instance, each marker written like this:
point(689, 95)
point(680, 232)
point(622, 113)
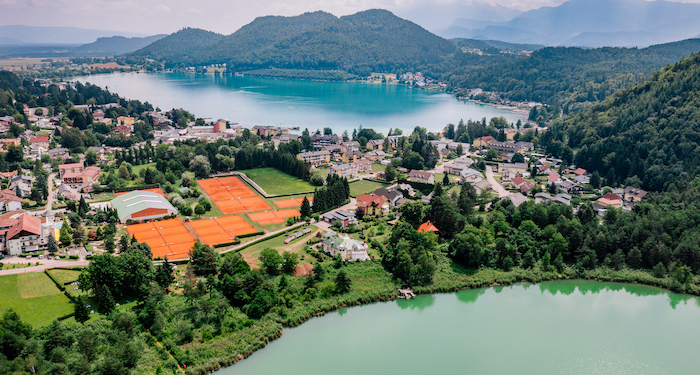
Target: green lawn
point(276, 182)
point(137, 168)
point(364, 187)
point(376, 167)
point(34, 297)
point(64, 276)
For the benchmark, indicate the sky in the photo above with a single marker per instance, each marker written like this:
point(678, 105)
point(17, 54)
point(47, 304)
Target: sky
point(150, 17)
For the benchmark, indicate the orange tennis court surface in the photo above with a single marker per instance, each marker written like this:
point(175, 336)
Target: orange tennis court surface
point(154, 190)
point(166, 238)
point(221, 230)
point(232, 196)
point(273, 217)
point(287, 203)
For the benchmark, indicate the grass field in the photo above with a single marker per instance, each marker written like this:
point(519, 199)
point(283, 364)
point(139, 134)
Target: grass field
point(64, 276)
point(276, 182)
point(364, 187)
point(136, 168)
point(34, 297)
point(376, 167)
point(251, 253)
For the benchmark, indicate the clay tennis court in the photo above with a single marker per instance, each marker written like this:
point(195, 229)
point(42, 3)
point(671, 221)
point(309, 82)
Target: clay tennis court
point(273, 217)
point(232, 196)
point(221, 230)
point(287, 203)
point(166, 238)
point(154, 190)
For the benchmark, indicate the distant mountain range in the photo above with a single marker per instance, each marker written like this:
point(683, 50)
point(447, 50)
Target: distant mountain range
point(589, 23)
point(117, 45)
point(20, 34)
point(358, 43)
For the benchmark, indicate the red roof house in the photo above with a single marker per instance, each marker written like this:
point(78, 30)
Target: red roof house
point(427, 227)
point(44, 138)
point(580, 172)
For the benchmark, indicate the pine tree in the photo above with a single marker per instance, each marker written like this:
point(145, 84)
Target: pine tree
point(83, 207)
point(109, 244)
point(164, 274)
point(305, 208)
point(52, 245)
point(342, 283)
point(65, 236)
point(446, 180)
point(82, 314)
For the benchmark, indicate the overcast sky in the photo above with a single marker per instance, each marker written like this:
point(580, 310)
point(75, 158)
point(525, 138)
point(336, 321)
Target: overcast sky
point(223, 16)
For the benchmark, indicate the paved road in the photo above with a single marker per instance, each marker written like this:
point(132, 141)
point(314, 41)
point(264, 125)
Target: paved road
point(502, 192)
point(45, 264)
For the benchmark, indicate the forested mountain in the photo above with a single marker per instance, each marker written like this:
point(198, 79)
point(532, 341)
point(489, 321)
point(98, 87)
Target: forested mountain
point(647, 135)
point(184, 45)
point(568, 76)
point(117, 45)
point(362, 42)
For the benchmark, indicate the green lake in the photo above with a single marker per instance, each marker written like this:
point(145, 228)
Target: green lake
point(558, 327)
point(341, 106)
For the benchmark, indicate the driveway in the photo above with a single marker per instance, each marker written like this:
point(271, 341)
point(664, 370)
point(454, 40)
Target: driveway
point(502, 192)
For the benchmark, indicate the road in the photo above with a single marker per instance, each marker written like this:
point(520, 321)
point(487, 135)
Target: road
point(45, 264)
point(502, 192)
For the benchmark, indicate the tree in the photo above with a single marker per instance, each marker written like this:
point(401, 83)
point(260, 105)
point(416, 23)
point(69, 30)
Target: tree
point(305, 208)
point(205, 261)
point(65, 235)
point(109, 244)
point(390, 173)
point(412, 213)
point(52, 246)
point(164, 274)
point(491, 154)
point(200, 166)
point(90, 157)
point(290, 261)
point(459, 150)
point(199, 210)
point(124, 244)
point(342, 283)
point(445, 180)
point(518, 158)
point(271, 260)
point(82, 314)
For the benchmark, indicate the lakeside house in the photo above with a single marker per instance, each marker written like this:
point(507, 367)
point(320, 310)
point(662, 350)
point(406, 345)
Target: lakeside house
point(346, 170)
point(315, 158)
point(345, 247)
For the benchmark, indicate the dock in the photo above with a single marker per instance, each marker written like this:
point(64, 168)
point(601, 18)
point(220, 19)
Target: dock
point(406, 293)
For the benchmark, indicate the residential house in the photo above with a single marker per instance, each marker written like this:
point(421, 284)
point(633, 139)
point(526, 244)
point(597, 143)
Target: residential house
point(346, 170)
point(517, 199)
point(408, 189)
point(9, 201)
point(77, 176)
point(27, 134)
point(99, 150)
point(346, 248)
point(20, 234)
point(375, 144)
point(519, 168)
point(363, 165)
point(394, 141)
point(458, 165)
point(607, 202)
point(554, 178)
point(375, 155)
point(8, 174)
point(6, 142)
point(392, 195)
point(471, 175)
point(372, 205)
point(21, 185)
point(569, 187)
point(522, 184)
point(67, 192)
point(421, 177)
point(582, 179)
point(315, 158)
point(321, 140)
point(580, 172)
point(123, 129)
point(508, 174)
point(70, 168)
point(284, 138)
point(351, 145)
point(427, 227)
point(426, 198)
point(351, 156)
point(40, 141)
point(483, 141)
point(59, 153)
point(482, 185)
point(125, 120)
point(345, 218)
point(634, 195)
point(559, 198)
point(336, 150)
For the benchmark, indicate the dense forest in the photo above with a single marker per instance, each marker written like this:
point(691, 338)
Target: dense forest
point(645, 135)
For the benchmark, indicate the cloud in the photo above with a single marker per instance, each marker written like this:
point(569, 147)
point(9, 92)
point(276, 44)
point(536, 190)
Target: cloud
point(193, 10)
point(163, 8)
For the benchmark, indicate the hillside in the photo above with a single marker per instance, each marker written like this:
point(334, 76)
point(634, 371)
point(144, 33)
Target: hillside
point(56, 35)
point(360, 43)
point(182, 46)
point(647, 134)
point(117, 45)
point(571, 77)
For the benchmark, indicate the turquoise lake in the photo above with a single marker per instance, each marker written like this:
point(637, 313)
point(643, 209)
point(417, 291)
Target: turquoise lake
point(559, 327)
point(341, 106)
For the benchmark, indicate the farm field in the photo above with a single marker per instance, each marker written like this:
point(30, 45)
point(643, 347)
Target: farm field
point(364, 187)
point(166, 238)
point(276, 182)
point(34, 297)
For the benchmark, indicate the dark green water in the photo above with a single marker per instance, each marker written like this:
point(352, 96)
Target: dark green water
point(265, 101)
point(560, 327)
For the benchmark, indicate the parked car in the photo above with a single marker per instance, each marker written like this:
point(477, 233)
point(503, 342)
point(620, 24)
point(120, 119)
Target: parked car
point(41, 256)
